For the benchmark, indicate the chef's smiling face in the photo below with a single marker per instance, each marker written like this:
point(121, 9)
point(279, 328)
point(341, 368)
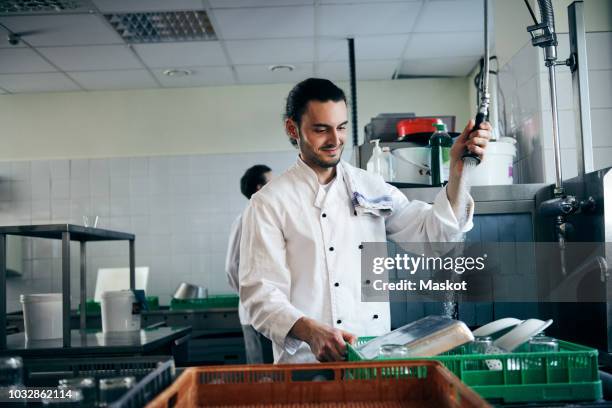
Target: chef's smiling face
point(322, 133)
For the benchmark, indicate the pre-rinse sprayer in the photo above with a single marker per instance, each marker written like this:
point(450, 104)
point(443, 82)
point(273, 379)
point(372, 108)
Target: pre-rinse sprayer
point(470, 158)
point(562, 206)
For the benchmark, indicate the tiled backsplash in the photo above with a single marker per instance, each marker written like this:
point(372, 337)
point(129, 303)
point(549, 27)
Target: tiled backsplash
point(520, 112)
point(180, 208)
point(525, 92)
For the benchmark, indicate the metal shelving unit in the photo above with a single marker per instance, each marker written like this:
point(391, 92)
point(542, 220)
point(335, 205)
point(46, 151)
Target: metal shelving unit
point(65, 233)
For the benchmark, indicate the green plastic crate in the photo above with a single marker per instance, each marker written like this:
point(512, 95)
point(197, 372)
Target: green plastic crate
point(211, 302)
point(571, 374)
point(152, 303)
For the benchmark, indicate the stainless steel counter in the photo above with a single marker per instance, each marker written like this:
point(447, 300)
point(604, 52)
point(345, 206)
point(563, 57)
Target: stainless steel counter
point(489, 199)
point(96, 342)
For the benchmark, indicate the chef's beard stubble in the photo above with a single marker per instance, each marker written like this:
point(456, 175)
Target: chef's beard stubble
point(307, 150)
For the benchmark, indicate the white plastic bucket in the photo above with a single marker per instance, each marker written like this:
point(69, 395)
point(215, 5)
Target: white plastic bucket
point(42, 316)
point(117, 313)
point(496, 167)
point(411, 165)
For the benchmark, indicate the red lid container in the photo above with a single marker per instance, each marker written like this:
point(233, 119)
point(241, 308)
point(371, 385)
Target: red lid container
point(415, 125)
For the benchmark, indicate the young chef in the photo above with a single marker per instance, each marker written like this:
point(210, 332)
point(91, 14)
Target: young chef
point(258, 348)
point(302, 233)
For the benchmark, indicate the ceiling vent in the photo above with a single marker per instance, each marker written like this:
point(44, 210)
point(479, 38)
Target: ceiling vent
point(28, 7)
point(158, 27)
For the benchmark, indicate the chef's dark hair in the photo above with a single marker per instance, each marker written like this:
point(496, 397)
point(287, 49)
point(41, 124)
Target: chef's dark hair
point(311, 89)
point(253, 177)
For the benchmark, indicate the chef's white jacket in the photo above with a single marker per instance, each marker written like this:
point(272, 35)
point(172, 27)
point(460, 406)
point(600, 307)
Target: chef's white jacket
point(301, 254)
point(232, 262)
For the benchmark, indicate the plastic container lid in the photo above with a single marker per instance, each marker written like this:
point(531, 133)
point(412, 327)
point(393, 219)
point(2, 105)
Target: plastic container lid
point(41, 297)
point(117, 294)
point(440, 127)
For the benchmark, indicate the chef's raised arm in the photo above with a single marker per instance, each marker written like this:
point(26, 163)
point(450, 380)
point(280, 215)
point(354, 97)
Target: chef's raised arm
point(416, 221)
point(265, 280)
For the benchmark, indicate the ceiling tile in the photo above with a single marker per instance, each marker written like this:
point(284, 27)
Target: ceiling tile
point(258, 3)
point(456, 66)
point(268, 22)
point(92, 58)
point(22, 61)
point(76, 29)
point(200, 76)
point(466, 15)
point(183, 54)
point(250, 52)
point(373, 47)
point(436, 45)
point(100, 80)
point(365, 70)
point(49, 82)
point(122, 6)
point(366, 19)
point(260, 74)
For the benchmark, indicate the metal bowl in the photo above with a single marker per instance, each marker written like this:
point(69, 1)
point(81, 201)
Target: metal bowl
point(188, 291)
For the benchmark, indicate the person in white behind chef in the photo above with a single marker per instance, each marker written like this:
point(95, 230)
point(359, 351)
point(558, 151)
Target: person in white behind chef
point(257, 347)
point(302, 233)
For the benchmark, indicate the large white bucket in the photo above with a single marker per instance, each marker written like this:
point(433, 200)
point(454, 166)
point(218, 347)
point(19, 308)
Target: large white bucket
point(117, 307)
point(496, 167)
point(411, 165)
point(42, 316)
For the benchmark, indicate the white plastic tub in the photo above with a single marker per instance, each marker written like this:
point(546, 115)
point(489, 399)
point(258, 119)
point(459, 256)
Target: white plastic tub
point(496, 167)
point(117, 313)
point(42, 316)
point(411, 165)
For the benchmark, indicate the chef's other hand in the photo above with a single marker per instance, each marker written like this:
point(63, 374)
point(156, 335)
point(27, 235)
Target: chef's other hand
point(326, 343)
point(474, 141)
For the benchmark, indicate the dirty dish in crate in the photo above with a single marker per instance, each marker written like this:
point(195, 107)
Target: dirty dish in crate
point(521, 334)
point(480, 345)
point(429, 336)
point(496, 326)
point(545, 344)
point(393, 351)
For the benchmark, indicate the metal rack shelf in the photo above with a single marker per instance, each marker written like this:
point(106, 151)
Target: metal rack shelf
point(65, 233)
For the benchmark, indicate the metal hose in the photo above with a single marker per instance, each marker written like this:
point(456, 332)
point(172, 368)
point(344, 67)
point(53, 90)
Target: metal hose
point(546, 12)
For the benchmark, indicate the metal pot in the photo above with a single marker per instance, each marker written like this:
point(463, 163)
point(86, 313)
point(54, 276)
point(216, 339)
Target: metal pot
point(188, 291)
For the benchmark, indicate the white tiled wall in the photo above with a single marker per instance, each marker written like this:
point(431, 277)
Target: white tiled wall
point(525, 92)
point(599, 58)
point(521, 112)
point(179, 207)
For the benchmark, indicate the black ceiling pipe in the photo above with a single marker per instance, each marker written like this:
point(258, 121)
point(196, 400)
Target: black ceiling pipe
point(353, 79)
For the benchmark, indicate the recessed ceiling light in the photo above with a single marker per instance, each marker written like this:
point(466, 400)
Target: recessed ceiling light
point(177, 72)
point(281, 67)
